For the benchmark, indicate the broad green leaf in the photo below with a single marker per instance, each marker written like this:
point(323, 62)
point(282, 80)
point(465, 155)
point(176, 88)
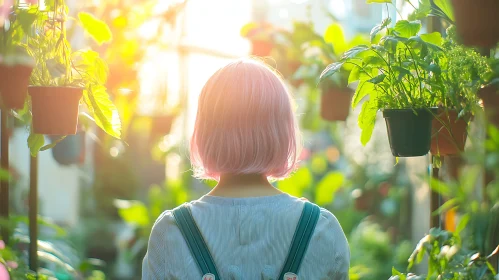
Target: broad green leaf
point(334, 35)
point(378, 1)
point(462, 223)
point(378, 79)
point(449, 204)
point(133, 212)
point(374, 60)
point(298, 182)
point(330, 70)
point(354, 52)
point(446, 7)
point(26, 18)
point(366, 120)
point(354, 75)
point(376, 29)
point(432, 38)
point(406, 28)
point(363, 89)
point(96, 28)
point(423, 10)
point(35, 143)
point(104, 111)
point(327, 187)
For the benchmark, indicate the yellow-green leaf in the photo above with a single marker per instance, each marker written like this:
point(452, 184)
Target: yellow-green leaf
point(327, 187)
point(35, 143)
point(133, 212)
point(103, 110)
point(334, 35)
point(432, 38)
point(407, 28)
point(97, 29)
point(297, 183)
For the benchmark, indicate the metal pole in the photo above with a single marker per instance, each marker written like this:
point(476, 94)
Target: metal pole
point(434, 199)
point(33, 214)
point(4, 185)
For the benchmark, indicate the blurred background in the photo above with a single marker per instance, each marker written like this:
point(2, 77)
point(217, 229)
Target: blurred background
point(99, 196)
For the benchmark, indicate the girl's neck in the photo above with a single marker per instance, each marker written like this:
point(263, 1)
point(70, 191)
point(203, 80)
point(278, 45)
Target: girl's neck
point(244, 185)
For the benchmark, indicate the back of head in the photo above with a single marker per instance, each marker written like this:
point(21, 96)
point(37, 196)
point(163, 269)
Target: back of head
point(245, 124)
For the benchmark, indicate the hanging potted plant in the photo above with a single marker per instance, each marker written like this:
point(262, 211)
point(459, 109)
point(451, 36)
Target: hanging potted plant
point(477, 22)
point(62, 77)
point(70, 149)
point(336, 96)
point(463, 71)
point(261, 36)
point(395, 75)
point(15, 63)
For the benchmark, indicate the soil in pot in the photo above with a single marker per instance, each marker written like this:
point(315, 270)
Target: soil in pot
point(445, 142)
point(335, 103)
point(477, 22)
point(490, 98)
point(55, 109)
point(261, 48)
point(409, 131)
point(14, 85)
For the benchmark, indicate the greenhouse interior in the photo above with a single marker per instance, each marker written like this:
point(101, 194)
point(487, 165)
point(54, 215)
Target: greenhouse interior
point(95, 187)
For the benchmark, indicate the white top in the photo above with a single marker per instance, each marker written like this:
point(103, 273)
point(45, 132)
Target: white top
point(249, 239)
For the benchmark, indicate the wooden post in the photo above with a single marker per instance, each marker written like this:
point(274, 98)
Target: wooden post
point(4, 185)
point(33, 213)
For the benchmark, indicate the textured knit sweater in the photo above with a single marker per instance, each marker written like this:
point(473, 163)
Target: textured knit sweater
point(249, 239)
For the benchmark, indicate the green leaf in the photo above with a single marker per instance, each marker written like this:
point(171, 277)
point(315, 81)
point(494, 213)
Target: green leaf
point(432, 38)
point(327, 187)
point(407, 29)
point(26, 19)
point(378, 79)
point(4, 174)
point(51, 145)
point(422, 11)
point(366, 120)
point(104, 111)
point(330, 70)
point(446, 7)
point(354, 75)
point(376, 29)
point(374, 60)
point(449, 204)
point(378, 1)
point(354, 52)
point(35, 143)
point(96, 28)
point(462, 223)
point(298, 182)
point(363, 89)
point(334, 35)
point(133, 212)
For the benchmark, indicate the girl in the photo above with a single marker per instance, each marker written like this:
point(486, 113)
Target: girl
point(245, 135)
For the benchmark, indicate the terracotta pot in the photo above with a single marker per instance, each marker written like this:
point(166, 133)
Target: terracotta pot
point(444, 142)
point(490, 98)
point(161, 125)
point(14, 85)
point(55, 109)
point(335, 103)
point(261, 48)
point(477, 22)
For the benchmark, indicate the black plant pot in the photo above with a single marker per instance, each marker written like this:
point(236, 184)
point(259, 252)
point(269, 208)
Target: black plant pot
point(409, 131)
point(71, 150)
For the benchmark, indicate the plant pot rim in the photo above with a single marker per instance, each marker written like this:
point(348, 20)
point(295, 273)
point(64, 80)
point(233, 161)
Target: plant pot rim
point(70, 87)
point(410, 109)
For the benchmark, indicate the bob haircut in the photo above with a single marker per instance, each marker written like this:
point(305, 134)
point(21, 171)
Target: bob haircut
point(245, 124)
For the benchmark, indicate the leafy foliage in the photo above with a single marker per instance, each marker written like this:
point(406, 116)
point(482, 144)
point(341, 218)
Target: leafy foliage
point(58, 65)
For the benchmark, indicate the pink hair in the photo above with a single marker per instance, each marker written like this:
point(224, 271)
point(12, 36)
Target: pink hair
point(245, 124)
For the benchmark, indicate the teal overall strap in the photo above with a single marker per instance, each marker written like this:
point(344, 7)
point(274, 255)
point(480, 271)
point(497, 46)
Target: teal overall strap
point(195, 241)
point(301, 239)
